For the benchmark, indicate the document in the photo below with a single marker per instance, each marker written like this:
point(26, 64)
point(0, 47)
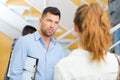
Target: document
point(30, 68)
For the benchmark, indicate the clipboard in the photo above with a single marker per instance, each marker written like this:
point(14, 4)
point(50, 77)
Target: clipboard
point(30, 68)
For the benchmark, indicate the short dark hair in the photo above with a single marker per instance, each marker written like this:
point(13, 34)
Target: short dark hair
point(28, 29)
point(52, 10)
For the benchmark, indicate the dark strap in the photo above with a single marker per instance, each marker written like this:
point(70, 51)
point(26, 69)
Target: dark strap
point(118, 76)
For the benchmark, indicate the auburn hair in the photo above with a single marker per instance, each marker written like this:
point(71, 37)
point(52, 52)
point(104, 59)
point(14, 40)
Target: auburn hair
point(94, 27)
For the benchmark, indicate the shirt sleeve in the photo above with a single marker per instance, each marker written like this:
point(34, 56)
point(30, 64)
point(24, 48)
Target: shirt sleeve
point(18, 59)
point(58, 74)
point(61, 72)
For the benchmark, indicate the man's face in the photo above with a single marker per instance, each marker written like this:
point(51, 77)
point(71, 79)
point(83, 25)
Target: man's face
point(49, 24)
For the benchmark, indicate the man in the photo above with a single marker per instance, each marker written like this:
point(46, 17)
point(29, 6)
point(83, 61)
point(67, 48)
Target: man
point(39, 45)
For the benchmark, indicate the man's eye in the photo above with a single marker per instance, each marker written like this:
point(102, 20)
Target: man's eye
point(49, 20)
point(56, 22)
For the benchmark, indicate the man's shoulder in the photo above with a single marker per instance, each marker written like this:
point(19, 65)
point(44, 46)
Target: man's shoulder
point(58, 44)
point(25, 38)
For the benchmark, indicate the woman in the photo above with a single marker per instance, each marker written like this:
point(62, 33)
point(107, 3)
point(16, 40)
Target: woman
point(91, 61)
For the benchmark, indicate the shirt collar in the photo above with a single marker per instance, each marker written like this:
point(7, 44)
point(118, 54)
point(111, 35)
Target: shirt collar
point(80, 52)
point(38, 36)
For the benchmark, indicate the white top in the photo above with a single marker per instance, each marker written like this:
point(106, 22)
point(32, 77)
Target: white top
point(77, 66)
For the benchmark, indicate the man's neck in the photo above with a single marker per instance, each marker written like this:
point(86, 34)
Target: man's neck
point(46, 39)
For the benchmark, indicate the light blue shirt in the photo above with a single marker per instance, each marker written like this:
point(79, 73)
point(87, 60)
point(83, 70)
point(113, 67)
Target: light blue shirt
point(33, 45)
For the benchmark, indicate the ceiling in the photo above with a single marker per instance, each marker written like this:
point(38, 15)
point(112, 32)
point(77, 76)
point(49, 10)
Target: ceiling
point(16, 14)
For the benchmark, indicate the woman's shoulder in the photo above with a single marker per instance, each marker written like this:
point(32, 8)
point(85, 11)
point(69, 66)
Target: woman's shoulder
point(74, 57)
point(110, 56)
point(111, 59)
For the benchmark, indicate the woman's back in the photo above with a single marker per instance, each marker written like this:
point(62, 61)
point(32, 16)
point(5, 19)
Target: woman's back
point(92, 61)
point(77, 66)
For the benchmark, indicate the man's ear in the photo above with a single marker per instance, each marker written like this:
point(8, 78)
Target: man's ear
point(40, 20)
point(75, 28)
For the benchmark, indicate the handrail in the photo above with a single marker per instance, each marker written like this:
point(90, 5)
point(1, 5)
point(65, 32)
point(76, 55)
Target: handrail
point(115, 28)
point(115, 44)
point(112, 31)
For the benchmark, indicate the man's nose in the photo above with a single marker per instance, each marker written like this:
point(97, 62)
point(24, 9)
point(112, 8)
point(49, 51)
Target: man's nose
point(52, 24)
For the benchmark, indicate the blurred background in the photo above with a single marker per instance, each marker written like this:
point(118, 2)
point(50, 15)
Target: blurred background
point(15, 14)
